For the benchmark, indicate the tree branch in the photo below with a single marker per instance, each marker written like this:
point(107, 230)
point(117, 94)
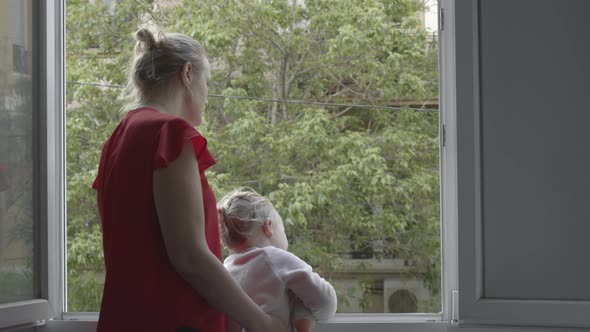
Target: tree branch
point(341, 113)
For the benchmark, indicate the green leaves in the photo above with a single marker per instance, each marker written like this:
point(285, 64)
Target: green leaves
point(85, 250)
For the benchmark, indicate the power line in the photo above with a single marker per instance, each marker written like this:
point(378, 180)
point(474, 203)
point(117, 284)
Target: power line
point(304, 102)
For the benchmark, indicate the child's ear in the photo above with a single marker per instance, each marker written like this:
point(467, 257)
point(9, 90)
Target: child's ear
point(267, 228)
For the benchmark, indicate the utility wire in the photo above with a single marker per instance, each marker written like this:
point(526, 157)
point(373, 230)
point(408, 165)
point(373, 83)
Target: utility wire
point(304, 102)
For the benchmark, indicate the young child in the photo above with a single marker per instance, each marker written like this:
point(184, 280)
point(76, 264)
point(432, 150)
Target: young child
point(281, 283)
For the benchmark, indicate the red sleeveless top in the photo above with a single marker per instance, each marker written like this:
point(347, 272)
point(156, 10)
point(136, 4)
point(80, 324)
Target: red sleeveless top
point(142, 290)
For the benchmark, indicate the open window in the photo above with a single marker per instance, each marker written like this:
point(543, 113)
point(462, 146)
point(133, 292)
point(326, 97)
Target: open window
point(333, 115)
point(523, 171)
point(514, 150)
point(46, 298)
point(30, 98)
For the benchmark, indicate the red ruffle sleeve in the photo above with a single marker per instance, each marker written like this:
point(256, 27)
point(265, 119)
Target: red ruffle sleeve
point(172, 137)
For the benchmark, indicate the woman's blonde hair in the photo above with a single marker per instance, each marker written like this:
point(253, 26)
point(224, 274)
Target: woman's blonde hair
point(239, 212)
point(157, 61)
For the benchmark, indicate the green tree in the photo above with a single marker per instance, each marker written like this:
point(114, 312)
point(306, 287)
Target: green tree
point(341, 177)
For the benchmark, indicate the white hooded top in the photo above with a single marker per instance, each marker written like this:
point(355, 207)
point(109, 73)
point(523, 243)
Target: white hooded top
point(276, 280)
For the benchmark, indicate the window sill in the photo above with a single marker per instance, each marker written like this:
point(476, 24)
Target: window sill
point(86, 322)
point(25, 313)
point(90, 326)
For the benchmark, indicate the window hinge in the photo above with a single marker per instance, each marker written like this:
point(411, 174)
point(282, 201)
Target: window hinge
point(441, 19)
point(455, 307)
point(444, 135)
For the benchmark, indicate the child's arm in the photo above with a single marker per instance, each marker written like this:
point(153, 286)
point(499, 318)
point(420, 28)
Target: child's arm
point(314, 292)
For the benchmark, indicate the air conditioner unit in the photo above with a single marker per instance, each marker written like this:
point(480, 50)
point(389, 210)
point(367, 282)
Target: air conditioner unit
point(402, 295)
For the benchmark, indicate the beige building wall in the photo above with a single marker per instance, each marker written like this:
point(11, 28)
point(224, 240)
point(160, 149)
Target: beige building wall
point(374, 287)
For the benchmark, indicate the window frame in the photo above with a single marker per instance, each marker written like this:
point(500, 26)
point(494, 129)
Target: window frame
point(55, 277)
point(54, 234)
point(48, 88)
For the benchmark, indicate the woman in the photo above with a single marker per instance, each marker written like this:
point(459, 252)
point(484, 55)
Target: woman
point(160, 233)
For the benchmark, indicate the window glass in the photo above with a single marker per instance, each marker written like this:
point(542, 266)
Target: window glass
point(18, 265)
point(351, 161)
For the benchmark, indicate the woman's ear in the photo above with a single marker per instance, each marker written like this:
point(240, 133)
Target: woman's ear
point(186, 73)
point(267, 228)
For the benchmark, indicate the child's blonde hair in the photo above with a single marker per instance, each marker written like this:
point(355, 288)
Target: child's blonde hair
point(239, 213)
point(156, 61)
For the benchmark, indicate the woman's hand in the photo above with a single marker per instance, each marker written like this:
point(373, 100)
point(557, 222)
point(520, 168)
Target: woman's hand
point(302, 325)
point(269, 324)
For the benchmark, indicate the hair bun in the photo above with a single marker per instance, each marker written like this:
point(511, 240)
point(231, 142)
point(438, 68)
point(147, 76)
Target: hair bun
point(146, 37)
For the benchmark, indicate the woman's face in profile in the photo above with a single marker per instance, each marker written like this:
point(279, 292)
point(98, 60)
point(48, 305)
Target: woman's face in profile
point(198, 101)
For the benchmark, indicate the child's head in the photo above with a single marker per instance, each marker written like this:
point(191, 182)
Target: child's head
point(247, 218)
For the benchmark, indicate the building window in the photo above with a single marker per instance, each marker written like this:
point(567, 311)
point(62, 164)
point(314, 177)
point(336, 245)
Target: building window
point(19, 59)
point(20, 35)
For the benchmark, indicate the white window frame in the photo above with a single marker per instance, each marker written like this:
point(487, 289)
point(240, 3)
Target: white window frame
point(56, 213)
point(55, 276)
point(49, 87)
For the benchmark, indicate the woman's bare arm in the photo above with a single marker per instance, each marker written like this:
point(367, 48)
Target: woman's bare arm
point(179, 203)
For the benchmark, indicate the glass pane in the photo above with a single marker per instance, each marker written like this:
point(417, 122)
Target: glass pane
point(353, 169)
point(17, 156)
